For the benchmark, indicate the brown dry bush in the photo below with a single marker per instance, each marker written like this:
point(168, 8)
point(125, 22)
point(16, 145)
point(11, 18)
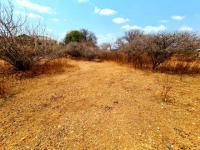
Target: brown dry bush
point(143, 61)
point(12, 47)
point(139, 61)
point(21, 46)
point(166, 89)
point(48, 67)
point(111, 56)
point(156, 52)
point(81, 50)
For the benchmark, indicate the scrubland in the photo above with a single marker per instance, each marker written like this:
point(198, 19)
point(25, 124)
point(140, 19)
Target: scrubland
point(142, 92)
point(92, 105)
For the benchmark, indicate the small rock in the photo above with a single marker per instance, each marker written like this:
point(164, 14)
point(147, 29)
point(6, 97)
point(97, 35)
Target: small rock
point(158, 129)
point(169, 146)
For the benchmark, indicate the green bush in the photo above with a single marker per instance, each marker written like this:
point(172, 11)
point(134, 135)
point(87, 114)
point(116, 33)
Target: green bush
point(74, 36)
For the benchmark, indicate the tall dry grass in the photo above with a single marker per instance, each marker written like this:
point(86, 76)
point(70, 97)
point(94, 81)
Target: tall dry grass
point(4, 87)
point(5, 68)
point(46, 67)
point(176, 64)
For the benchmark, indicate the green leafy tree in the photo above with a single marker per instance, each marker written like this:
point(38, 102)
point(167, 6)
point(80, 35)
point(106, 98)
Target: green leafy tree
point(74, 36)
point(81, 36)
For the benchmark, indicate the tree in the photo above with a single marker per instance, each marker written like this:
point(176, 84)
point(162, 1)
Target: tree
point(12, 48)
point(141, 47)
point(133, 35)
point(164, 45)
point(81, 36)
point(120, 43)
point(89, 37)
point(74, 36)
point(160, 48)
point(186, 42)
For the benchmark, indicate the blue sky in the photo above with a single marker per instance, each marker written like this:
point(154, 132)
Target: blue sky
point(109, 19)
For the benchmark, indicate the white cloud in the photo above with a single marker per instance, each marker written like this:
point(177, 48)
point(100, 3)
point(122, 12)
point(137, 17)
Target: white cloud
point(56, 19)
point(185, 29)
point(178, 18)
point(120, 20)
point(146, 29)
point(28, 4)
point(164, 21)
point(31, 15)
point(129, 27)
point(154, 29)
point(105, 12)
point(83, 1)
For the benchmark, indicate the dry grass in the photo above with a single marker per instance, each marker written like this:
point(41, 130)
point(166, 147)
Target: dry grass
point(44, 67)
point(180, 66)
point(175, 65)
point(9, 76)
point(4, 87)
point(50, 67)
point(166, 89)
point(102, 106)
point(7, 84)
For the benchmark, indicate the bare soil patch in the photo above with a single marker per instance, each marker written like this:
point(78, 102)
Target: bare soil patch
point(102, 106)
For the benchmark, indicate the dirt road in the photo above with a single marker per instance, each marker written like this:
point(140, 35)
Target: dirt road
point(102, 106)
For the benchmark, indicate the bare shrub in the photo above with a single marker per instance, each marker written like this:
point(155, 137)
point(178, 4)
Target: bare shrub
point(155, 51)
point(165, 94)
point(159, 48)
point(166, 84)
point(74, 49)
point(17, 39)
point(81, 50)
point(138, 49)
point(89, 37)
point(147, 50)
point(186, 43)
